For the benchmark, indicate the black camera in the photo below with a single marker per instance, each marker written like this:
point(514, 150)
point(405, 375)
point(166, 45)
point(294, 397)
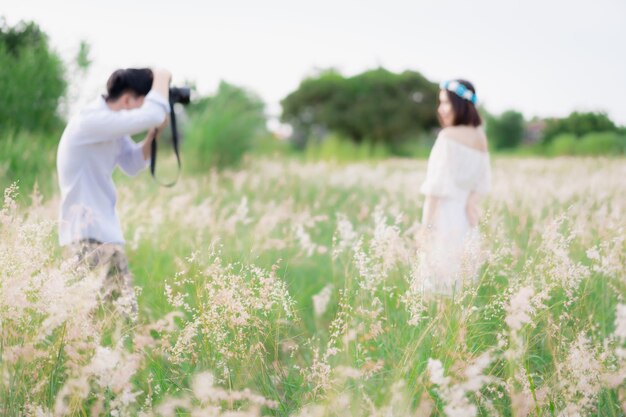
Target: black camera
point(180, 95)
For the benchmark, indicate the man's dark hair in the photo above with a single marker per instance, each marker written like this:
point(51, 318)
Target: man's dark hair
point(465, 112)
point(135, 80)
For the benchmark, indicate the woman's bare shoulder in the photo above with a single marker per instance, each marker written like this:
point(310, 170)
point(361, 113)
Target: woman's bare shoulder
point(473, 137)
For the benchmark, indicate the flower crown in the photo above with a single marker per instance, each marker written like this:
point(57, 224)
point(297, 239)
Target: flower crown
point(460, 90)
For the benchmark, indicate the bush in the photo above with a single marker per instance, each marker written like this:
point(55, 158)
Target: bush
point(592, 144)
point(563, 144)
point(414, 146)
point(336, 148)
point(506, 131)
point(269, 145)
point(28, 158)
point(223, 128)
point(601, 143)
point(31, 79)
point(578, 124)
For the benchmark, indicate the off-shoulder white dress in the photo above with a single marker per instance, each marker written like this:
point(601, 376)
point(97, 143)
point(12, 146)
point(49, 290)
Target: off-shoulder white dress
point(450, 256)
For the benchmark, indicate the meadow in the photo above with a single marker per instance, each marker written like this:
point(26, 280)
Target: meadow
point(292, 288)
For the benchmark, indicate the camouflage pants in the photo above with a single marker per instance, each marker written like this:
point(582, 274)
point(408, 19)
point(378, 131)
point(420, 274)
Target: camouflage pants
point(110, 260)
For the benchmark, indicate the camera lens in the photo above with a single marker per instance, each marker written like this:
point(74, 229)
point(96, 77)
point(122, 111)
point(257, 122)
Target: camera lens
point(180, 95)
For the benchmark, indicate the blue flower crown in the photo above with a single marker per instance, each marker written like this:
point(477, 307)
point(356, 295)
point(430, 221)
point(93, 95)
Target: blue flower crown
point(460, 90)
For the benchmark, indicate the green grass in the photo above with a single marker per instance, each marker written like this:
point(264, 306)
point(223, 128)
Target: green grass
point(283, 195)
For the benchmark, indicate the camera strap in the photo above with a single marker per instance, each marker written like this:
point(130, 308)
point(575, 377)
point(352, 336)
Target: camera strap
point(153, 151)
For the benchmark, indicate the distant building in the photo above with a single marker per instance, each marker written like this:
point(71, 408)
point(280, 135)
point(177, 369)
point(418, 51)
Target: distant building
point(534, 131)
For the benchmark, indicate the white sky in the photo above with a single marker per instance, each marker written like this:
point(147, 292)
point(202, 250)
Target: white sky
point(541, 57)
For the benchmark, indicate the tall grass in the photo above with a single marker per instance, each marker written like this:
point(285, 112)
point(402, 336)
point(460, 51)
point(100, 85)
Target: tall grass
point(292, 288)
point(29, 159)
point(334, 148)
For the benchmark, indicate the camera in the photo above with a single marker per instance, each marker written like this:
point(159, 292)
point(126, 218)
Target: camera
point(180, 95)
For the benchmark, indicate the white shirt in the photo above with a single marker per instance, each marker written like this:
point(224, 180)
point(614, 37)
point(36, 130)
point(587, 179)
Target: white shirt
point(95, 141)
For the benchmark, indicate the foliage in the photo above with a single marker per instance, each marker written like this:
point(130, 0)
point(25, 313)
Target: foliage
point(591, 144)
point(223, 127)
point(335, 148)
point(341, 321)
point(377, 106)
point(578, 124)
point(28, 159)
point(563, 144)
point(31, 79)
point(505, 131)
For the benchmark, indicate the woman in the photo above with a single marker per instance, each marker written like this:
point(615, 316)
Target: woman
point(458, 174)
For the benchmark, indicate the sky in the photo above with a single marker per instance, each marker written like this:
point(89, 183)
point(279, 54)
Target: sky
point(541, 57)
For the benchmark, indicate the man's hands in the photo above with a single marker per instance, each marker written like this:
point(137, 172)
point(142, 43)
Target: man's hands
point(147, 142)
point(160, 84)
point(150, 136)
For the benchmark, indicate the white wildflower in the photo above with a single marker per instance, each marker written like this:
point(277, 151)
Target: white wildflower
point(321, 300)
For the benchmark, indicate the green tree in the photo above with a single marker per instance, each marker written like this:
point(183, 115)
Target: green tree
point(377, 106)
point(223, 127)
point(578, 124)
point(31, 79)
point(505, 131)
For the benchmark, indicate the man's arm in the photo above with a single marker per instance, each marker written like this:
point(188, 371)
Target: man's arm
point(112, 125)
point(130, 158)
point(150, 136)
point(161, 82)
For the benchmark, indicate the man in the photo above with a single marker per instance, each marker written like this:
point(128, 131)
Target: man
point(94, 143)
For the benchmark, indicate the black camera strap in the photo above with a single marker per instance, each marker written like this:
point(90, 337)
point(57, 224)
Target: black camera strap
point(153, 150)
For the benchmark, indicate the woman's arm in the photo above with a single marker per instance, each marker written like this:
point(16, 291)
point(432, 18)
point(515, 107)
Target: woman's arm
point(430, 211)
point(472, 208)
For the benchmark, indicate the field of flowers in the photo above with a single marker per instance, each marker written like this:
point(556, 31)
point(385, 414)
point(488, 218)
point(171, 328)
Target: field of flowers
point(286, 288)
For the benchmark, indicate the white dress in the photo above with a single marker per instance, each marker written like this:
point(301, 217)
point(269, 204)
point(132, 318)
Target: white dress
point(451, 254)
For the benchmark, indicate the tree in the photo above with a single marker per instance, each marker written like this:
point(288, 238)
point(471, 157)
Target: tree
point(578, 124)
point(505, 131)
point(376, 106)
point(223, 127)
point(31, 78)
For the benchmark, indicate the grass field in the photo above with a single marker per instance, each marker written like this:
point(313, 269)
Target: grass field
point(289, 288)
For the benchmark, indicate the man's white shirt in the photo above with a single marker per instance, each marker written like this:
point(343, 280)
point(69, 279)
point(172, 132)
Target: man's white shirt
point(94, 143)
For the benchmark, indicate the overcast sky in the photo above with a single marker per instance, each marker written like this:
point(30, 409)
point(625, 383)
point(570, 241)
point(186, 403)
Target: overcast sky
point(544, 58)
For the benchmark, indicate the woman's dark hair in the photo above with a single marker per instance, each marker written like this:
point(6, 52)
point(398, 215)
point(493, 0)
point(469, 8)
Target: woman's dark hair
point(465, 112)
point(135, 80)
